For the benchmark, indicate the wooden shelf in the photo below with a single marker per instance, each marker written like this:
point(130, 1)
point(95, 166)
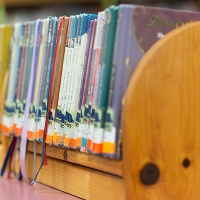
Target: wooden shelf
point(80, 181)
point(88, 160)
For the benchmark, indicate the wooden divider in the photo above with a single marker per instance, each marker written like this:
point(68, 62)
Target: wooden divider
point(161, 120)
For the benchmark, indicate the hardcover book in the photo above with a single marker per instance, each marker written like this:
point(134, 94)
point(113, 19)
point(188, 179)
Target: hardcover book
point(138, 28)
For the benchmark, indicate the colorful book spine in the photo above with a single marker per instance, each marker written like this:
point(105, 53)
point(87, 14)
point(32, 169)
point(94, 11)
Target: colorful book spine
point(39, 77)
point(26, 75)
point(48, 63)
point(70, 90)
point(5, 35)
point(20, 77)
point(56, 76)
point(109, 139)
point(36, 50)
point(1, 50)
point(83, 125)
point(93, 80)
point(102, 103)
point(59, 135)
point(82, 42)
point(86, 83)
point(145, 25)
point(81, 90)
point(7, 119)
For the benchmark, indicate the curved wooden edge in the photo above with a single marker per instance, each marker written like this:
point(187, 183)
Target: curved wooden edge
point(161, 119)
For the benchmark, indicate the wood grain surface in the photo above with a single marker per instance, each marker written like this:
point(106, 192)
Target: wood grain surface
point(161, 119)
point(80, 181)
point(88, 160)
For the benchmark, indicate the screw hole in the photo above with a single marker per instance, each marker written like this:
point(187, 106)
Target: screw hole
point(149, 174)
point(65, 155)
point(186, 162)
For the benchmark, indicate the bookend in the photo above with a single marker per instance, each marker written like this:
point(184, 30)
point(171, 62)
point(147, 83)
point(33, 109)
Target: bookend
point(161, 120)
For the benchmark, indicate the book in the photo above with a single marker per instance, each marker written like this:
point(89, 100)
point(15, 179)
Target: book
point(67, 68)
point(91, 81)
point(80, 90)
point(34, 64)
point(109, 142)
point(67, 117)
point(5, 37)
point(143, 26)
point(56, 76)
point(9, 105)
point(39, 77)
point(20, 76)
point(48, 63)
point(59, 136)
point(104, 80)
point(26, 76)
point(81, 84)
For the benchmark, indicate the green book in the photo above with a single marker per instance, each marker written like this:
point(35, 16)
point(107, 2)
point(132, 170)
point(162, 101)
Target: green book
point(104, 78)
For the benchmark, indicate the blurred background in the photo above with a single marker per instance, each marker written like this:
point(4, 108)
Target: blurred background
point(12, 11)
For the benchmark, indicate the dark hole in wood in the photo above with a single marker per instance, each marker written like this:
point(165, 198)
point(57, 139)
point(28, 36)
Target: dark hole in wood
point(186, 162)
point(65, 155)
point(149, 174)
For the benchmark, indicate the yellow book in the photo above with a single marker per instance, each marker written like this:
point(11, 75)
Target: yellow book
point(5, 39)
point(7, 34)
point(1, 47)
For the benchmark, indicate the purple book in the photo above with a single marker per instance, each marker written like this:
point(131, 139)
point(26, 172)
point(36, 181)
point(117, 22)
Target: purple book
point(82, 88)
point(139, 27)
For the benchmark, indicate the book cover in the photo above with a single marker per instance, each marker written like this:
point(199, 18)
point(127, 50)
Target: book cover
point(82, 81)
point(26, 76)
point(97, 82)
point(20, 77)
point(34, 64)
point(5, 36)
point(104, 81)
point(9, 105)
point(74, 47)
point(48, 63)
point(109, 142)
point(39, 76)
point(56, 76)
point(84, 127)
point(81, 41)
point(145, 25)
point(58, 139)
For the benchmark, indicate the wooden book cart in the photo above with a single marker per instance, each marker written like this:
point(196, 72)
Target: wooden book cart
point(161, 133)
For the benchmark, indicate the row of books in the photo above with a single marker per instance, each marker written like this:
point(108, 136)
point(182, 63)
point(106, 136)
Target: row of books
point(71, 73)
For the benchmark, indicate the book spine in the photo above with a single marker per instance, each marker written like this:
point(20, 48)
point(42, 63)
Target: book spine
point(69, 116)
point(81, 87)
point(86, 85)
point(46, 77)
point(109, 139)
point(57, 138)
point(39, 79)
point(56, 79)
point(34, 64)
point(7, 120)
point(104, 82)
